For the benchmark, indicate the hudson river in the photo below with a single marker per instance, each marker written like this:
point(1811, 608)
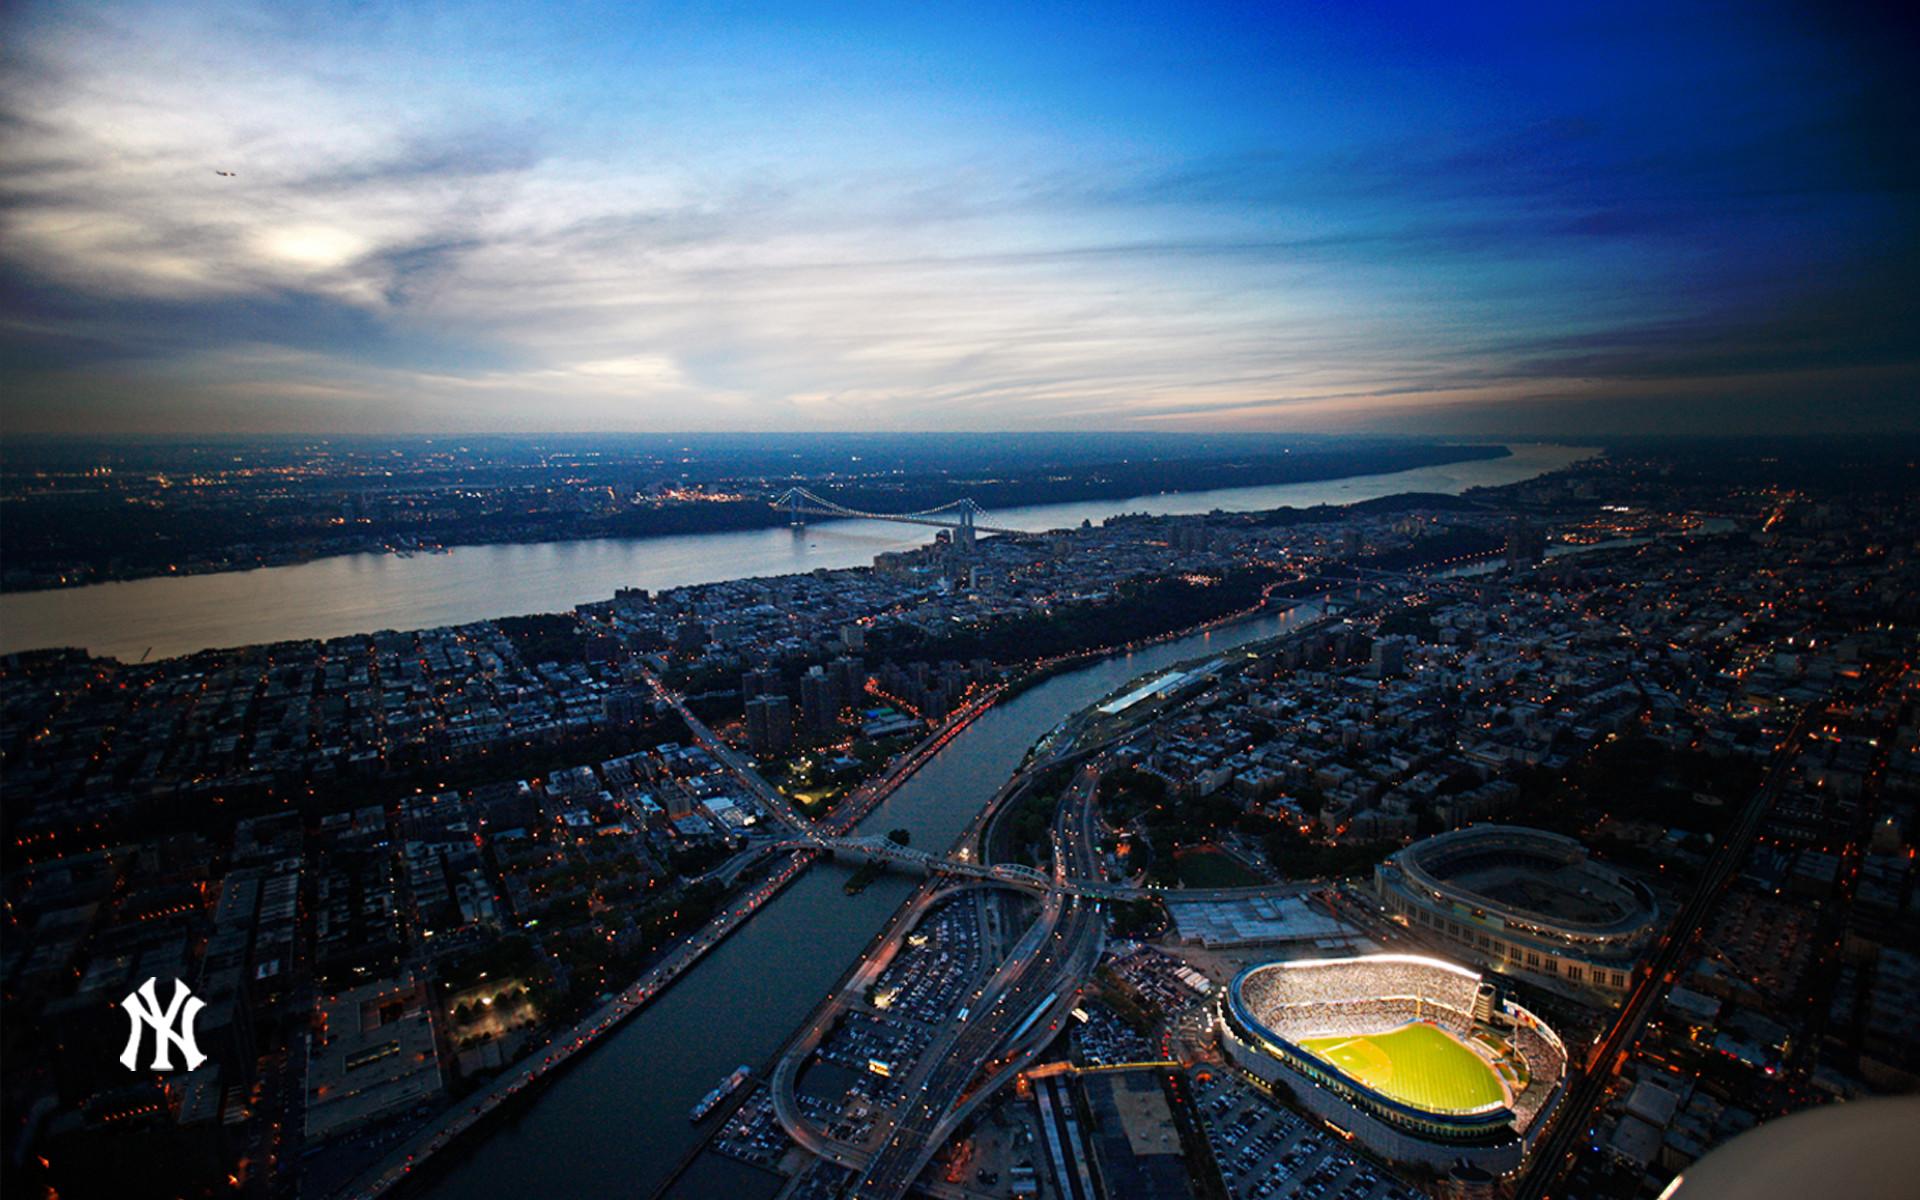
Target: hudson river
point(359, 593)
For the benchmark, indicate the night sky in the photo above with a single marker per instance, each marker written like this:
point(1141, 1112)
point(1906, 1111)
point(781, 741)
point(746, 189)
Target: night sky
point(1522, 219)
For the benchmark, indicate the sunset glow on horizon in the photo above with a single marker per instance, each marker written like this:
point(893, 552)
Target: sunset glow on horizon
point(494, 218)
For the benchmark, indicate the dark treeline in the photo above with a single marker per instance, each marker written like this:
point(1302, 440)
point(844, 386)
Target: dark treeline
point(1140, 610)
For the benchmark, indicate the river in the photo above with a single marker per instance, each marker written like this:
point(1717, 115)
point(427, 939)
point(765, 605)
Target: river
point(616, 1123)
point(359, 593)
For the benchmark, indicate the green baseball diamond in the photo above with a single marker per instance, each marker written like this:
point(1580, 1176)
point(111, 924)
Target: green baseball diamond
point(1418, 1064)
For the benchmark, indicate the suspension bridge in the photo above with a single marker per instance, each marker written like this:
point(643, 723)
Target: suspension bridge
point(961, 516)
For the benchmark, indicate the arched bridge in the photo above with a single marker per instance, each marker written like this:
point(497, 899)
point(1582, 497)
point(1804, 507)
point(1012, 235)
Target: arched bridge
point(1010, 874)
point(960, 515)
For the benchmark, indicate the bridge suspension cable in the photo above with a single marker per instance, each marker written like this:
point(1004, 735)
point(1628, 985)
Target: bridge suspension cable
point(954, 514)
point(786, 499)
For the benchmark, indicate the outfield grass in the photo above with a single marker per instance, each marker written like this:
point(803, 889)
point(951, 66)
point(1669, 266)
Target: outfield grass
point(1417, 1064)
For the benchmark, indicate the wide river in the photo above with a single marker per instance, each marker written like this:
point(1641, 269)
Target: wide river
point(359, 593)
point(616, 1123)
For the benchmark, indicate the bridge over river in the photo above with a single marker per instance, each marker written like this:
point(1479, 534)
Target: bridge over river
point(961, 516)
point(1010, 874)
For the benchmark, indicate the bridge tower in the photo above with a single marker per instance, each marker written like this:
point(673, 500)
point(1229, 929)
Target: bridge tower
point(963, 536)
point(795, 517)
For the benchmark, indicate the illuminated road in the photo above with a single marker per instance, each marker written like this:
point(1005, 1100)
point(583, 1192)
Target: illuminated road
point(1016, 1013)
point(769, 796)
point(436, 1136)
point(1552, 1154)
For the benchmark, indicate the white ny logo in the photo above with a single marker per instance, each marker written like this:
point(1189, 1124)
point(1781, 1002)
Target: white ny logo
point(143, 1007)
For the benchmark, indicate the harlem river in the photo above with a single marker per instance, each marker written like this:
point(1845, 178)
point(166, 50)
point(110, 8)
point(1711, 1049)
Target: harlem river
point(360, 593)
point(616, 1123)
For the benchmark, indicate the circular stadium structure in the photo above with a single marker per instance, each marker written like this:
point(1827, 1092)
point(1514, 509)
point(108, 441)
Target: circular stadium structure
point(1523, 901)
point(1417, 1057)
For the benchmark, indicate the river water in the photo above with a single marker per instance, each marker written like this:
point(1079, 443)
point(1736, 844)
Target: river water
point(359, 593)
point(616, 1124)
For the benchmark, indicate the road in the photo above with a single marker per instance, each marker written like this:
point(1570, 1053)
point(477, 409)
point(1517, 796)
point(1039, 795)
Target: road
point(443, 1130)
point(769, 796)
point(1552, 1153)
point(1015, 1013)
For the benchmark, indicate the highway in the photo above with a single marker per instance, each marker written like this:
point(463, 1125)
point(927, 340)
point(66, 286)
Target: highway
point(854, 807)
point(1015, 1013)
point(1078, 928)
point(443, 1130)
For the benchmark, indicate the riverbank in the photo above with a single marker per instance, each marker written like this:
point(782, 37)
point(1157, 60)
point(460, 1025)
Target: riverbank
point(353, 594)
point(510, 1092)
point(154, 541)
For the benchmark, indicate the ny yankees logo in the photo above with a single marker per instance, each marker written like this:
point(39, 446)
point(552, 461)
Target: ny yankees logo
point(173, 1026)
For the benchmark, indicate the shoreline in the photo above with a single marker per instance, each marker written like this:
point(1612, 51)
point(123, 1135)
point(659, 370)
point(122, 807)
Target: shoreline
point(411, 545)
point(174, 616)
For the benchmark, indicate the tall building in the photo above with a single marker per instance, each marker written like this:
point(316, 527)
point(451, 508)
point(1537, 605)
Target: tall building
point(625, 706)
point(1389, 658)
point(819, 701)
point(851, 676)
point(769, 725)
point(761, 681)
point(1526, 544)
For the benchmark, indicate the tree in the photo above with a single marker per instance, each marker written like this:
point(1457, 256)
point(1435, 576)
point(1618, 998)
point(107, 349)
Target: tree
point(1135, 916)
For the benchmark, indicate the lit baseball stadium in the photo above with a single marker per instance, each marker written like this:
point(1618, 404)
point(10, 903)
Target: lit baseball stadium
point(1418, 1057)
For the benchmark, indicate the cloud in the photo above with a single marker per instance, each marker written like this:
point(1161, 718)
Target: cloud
point(465, 219)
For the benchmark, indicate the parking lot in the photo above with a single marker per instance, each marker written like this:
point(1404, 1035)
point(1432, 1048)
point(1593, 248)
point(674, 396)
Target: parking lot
point(753, 1134)
point(930, 978)
point(1267, 1152)
point(854, 1078)
point(1104, 1039)
point(1157, 978)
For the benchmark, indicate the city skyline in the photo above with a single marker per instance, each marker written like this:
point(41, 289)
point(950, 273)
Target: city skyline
point(483, 218)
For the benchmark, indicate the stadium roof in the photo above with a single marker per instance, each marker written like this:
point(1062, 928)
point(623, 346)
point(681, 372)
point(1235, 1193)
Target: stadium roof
point(1383, 959)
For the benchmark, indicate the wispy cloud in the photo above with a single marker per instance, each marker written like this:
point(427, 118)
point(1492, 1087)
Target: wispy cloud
point(475, 219)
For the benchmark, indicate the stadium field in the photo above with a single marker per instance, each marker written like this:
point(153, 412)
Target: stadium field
point(1417, 1064)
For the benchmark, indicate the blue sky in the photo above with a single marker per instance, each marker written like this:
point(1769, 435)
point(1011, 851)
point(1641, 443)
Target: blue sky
point(1458, 218)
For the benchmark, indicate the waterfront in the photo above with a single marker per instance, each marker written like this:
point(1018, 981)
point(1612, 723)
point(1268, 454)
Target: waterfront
point(360, 593)
point(621, 1112)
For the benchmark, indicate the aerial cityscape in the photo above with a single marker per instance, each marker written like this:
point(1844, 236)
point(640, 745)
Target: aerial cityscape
point(842, 605)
